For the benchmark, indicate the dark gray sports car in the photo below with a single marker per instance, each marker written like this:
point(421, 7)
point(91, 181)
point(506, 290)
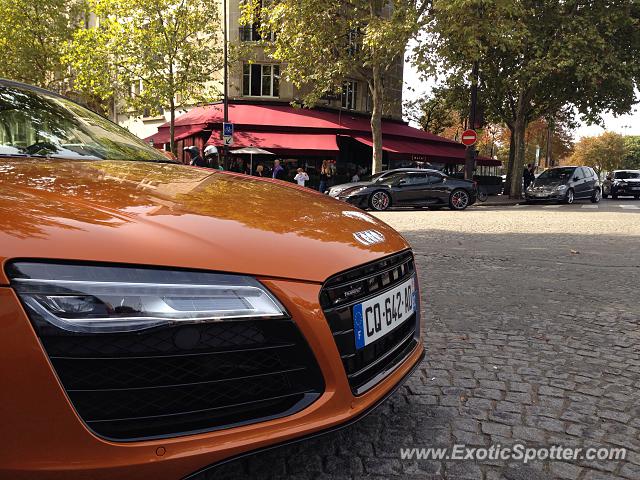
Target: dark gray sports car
point(408, 188)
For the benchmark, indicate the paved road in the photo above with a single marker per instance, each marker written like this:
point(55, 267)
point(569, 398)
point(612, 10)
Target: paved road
point(533, 336)
point(624, 204)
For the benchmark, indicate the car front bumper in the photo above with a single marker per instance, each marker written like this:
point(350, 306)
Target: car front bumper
point(625, 191)
point(360, 201)
point(46, 439)
point(544, 197)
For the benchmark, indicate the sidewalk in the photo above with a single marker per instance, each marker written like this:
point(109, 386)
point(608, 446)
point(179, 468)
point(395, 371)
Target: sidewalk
point(498, 201)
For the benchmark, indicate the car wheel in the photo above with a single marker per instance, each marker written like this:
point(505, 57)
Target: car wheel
point(380, 200)
point(597, 196)
point(459, 199)
point(569, 197)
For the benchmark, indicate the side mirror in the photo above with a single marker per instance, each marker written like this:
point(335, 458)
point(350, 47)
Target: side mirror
point(575, 179)
point(403, 182)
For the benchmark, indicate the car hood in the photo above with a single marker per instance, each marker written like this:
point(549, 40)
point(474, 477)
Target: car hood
point(548, 182)
point(346, 186)
point(179, 216)
point(628, 180)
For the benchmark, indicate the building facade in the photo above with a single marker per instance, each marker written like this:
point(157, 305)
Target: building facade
point(256, 78)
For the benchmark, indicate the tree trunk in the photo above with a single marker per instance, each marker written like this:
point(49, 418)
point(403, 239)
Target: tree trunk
point(377, 94)
point(172, 127)
point(519, 128)
point(510, 163)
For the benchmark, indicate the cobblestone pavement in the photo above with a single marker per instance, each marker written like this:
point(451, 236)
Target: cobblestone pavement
point(532, 336)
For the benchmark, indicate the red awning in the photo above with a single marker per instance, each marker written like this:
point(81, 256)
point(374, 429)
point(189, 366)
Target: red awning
point(443, 152)
point(181, 132)
point(285, 117)
point(282, 143)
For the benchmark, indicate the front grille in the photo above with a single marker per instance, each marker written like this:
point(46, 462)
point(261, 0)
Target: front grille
point(185, 379)
point(367, 366)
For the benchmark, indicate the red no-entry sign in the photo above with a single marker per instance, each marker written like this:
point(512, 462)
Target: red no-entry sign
point(469, 137)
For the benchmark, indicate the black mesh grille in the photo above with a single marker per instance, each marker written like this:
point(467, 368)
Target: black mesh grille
point(178, 380)
point(365, 367)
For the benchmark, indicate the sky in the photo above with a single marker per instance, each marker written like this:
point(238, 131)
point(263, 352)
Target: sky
point(414, 87)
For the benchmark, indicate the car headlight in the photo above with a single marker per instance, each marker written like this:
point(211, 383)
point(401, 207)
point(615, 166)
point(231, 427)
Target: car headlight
point(620, 184)
point(561, 188)
point(94, 299)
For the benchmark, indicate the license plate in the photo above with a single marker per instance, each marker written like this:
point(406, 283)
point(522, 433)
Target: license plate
point(380, 315)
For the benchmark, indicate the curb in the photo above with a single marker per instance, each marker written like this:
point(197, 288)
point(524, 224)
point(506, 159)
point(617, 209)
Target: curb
point(507, 202)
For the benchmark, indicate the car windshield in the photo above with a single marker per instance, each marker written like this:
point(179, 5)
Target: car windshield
point(557, 173)
point(391, 178)
point(626, 175)
point(35, 124)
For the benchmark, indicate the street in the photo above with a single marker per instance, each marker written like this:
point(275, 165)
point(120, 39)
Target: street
point(532, 337)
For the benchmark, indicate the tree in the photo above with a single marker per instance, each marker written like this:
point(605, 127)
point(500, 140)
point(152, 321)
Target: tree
point(632, 154)
point(539, 59)
point(322, 42)
point(441, 111)
point(171, 46)
point(604, 153)
point(33, 35)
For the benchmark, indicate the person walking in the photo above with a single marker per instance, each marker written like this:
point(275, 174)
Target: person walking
point(195, 159)
point(528, 176)
point(211, 157)
point(325, 176)
point(278, 171)
point(301, 177)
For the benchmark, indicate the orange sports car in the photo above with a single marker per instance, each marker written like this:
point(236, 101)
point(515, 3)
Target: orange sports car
point(158, 319)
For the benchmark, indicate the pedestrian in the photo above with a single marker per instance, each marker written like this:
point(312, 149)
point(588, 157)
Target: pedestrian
point(211, 157)
point(194, 154)
point(355, 178)
point(247, 169)
point(325, 176)
point(528, 176)
point(259, 170)
point(278, 171)
point(301, 177)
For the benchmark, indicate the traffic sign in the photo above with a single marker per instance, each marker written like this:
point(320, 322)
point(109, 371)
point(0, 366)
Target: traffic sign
point(227, 129)
point(228, 140)
point(469, 137)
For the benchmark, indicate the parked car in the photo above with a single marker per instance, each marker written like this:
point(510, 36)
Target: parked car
point(408, 188)
point(335, 190)
point(158, 318)
point(622, 183)
point(565, 184)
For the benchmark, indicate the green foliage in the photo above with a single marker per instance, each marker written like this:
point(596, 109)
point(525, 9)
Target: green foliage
point(538, 58)
point(172, 46)
point(322, 42)
point(632, 152)
point(604, 153)
point(33, 35)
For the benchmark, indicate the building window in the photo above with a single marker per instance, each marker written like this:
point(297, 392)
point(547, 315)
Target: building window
point(261, 80)
point(353, 42)
point(251, 33)
point(350, 95)
point(368, 101)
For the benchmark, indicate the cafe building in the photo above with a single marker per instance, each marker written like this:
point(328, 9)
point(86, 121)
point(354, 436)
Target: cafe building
point(301, 137)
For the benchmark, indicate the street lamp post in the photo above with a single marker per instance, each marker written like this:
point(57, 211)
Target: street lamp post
point(225, 81)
